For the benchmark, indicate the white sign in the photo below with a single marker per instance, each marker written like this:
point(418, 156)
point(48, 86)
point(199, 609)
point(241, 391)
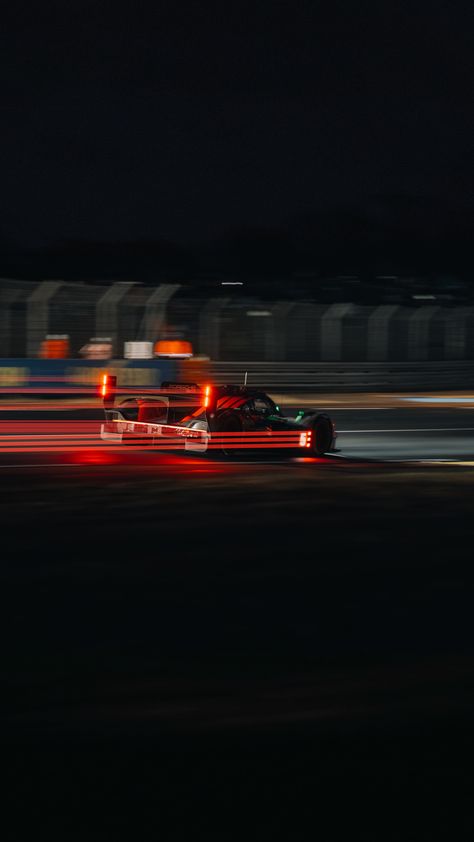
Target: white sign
point(138, 350)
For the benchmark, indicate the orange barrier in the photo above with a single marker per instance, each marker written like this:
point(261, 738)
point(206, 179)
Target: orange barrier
point(55, 347)
point(173, 348)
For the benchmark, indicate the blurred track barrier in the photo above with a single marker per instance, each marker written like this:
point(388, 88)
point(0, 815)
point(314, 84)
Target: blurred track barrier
point(299, 377)
point(68, 375)
point(14, 375)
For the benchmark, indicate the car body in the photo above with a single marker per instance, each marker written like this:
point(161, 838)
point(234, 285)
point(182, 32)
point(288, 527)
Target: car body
point(230, 418)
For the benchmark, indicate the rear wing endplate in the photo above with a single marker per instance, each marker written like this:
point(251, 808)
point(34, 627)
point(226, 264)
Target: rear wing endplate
point(107, 389)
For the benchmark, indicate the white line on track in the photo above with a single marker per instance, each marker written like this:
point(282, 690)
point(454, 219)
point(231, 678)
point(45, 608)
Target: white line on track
point(364, 408)
point(413, 430)
point(47, 465)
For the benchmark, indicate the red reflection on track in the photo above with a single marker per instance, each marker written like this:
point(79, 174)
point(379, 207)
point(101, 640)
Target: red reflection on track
point(96, 457)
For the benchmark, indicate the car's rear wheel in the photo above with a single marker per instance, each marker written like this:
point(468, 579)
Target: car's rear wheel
point(228, 424)
point(323, 434)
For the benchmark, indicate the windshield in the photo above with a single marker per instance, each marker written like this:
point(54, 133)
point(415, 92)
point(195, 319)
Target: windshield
point(264, 406)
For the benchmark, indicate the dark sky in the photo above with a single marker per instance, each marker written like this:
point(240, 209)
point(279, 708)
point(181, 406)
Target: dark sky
point(125, 121)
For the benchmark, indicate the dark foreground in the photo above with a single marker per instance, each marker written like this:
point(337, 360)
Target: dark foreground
point(274, 653)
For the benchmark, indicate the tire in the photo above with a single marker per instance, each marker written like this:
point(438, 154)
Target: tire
point(323, 434)
point(229, 422)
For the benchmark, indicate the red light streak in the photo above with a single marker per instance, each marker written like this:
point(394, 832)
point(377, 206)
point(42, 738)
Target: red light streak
point(71, 435)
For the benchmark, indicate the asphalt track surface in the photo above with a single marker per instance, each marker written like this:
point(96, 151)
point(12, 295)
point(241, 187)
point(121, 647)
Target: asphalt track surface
point(202, 648)
point(381, 434)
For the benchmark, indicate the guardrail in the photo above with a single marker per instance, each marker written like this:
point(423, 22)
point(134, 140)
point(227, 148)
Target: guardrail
point(348, 377)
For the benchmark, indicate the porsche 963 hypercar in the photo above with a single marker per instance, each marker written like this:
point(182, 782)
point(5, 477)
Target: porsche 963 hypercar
point(231, 419)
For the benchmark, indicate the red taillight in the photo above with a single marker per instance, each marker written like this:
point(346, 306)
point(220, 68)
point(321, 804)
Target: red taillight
point(308, 438)
point(207, 396)
point(108, 383)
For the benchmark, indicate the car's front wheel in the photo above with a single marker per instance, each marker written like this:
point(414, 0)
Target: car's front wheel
point(323, 434)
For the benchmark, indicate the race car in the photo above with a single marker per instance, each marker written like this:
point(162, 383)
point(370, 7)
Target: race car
point(231, 419)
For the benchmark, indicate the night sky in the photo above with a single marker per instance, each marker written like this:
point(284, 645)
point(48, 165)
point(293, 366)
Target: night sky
point(141, 121)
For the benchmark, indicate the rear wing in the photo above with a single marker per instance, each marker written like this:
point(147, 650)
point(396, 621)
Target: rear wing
point(207, 395)
point(180, 387)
